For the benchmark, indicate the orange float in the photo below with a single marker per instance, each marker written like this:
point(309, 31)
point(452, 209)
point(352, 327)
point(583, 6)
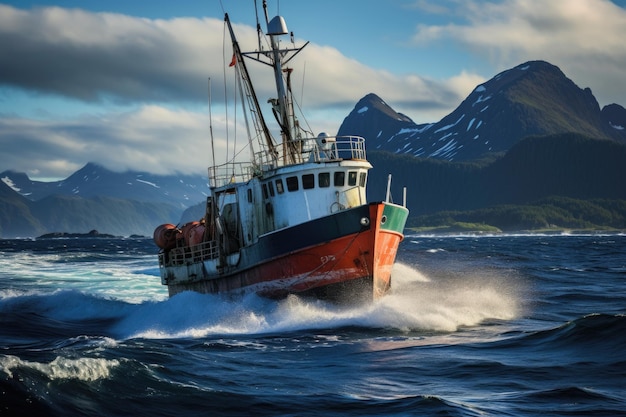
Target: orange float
point(165, 236)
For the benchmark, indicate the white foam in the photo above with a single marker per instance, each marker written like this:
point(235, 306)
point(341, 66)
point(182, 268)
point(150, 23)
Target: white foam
point(403, 274)
point(417, 302)
point(84, 369)
point(137, 304)
point(133, 280)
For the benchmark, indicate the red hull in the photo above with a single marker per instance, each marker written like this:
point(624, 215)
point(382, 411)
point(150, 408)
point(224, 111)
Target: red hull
point(350, 267)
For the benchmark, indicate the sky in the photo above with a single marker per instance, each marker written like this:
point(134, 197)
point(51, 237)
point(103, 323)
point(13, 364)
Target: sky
point(126, 83)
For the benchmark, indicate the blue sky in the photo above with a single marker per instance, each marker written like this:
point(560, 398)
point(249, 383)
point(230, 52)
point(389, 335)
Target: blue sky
point(124, 83)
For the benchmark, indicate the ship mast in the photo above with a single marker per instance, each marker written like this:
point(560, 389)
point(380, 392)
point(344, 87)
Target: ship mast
point(260, 124)
point(282, 106)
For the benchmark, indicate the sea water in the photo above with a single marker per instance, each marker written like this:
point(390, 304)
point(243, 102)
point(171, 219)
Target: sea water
point(513, 325)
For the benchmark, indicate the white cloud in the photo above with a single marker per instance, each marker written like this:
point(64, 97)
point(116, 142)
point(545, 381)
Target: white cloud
point(155, 66)
point(585, 38)
point(94, 56)
point(160, 68)
point(153, 139)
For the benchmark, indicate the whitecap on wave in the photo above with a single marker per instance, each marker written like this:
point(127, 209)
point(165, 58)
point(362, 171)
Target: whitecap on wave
point(417, 302)
point(83, 369)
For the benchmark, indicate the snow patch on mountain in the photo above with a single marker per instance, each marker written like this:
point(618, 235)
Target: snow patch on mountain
point(447, 150)
point(148, 183)
point(450, 126)
point(8, 181)
point(480, 99)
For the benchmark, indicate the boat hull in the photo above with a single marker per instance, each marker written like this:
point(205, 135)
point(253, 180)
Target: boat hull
point(346, 257)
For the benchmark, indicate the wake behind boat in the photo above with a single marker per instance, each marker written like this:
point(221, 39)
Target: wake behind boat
point(292, 219)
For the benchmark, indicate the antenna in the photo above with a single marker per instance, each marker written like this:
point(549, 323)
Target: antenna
point(211, 126)
point(258, 24)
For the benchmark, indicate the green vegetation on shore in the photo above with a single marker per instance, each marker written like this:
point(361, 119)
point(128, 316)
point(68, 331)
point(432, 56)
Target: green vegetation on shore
point(550, 214)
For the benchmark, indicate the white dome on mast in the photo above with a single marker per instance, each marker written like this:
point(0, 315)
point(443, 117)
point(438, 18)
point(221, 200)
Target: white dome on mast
point(277, 26)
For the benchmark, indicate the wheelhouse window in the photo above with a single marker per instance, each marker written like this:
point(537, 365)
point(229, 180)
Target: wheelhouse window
point(323, 179)
point(308, 181)
point(279, 186)
point(270, 186)
point(292, 183)
point(265, 195)
point(340, 179)
point(362, 179)
point(352, 178)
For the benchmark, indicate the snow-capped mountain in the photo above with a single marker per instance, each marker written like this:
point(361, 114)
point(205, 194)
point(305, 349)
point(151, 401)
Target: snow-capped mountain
point(96, 198)
point(534, 98)
point(94, 180)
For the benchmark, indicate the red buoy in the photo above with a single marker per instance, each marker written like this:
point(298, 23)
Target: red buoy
point(165, 236)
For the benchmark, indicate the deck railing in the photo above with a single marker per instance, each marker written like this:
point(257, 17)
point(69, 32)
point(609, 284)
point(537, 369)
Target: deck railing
point(189, 254)
point(319, 149)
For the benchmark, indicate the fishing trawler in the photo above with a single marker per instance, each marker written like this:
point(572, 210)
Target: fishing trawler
point(293, 219)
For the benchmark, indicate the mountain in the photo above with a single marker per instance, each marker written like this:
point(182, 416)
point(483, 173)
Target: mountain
point(532, 99)
point(94, 180)
point(566, 165)
point(20, 217)
point(93, 197)
point(615, 116)
point(15, 216)
point(121, 217)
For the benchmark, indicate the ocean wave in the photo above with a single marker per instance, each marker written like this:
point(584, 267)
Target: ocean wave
point(568, 394)
point(417, 303)
point(400, 405)
point(83, 369)
point(482, 327)
point(589, 332)
point(591, 339)
point(572, 400)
